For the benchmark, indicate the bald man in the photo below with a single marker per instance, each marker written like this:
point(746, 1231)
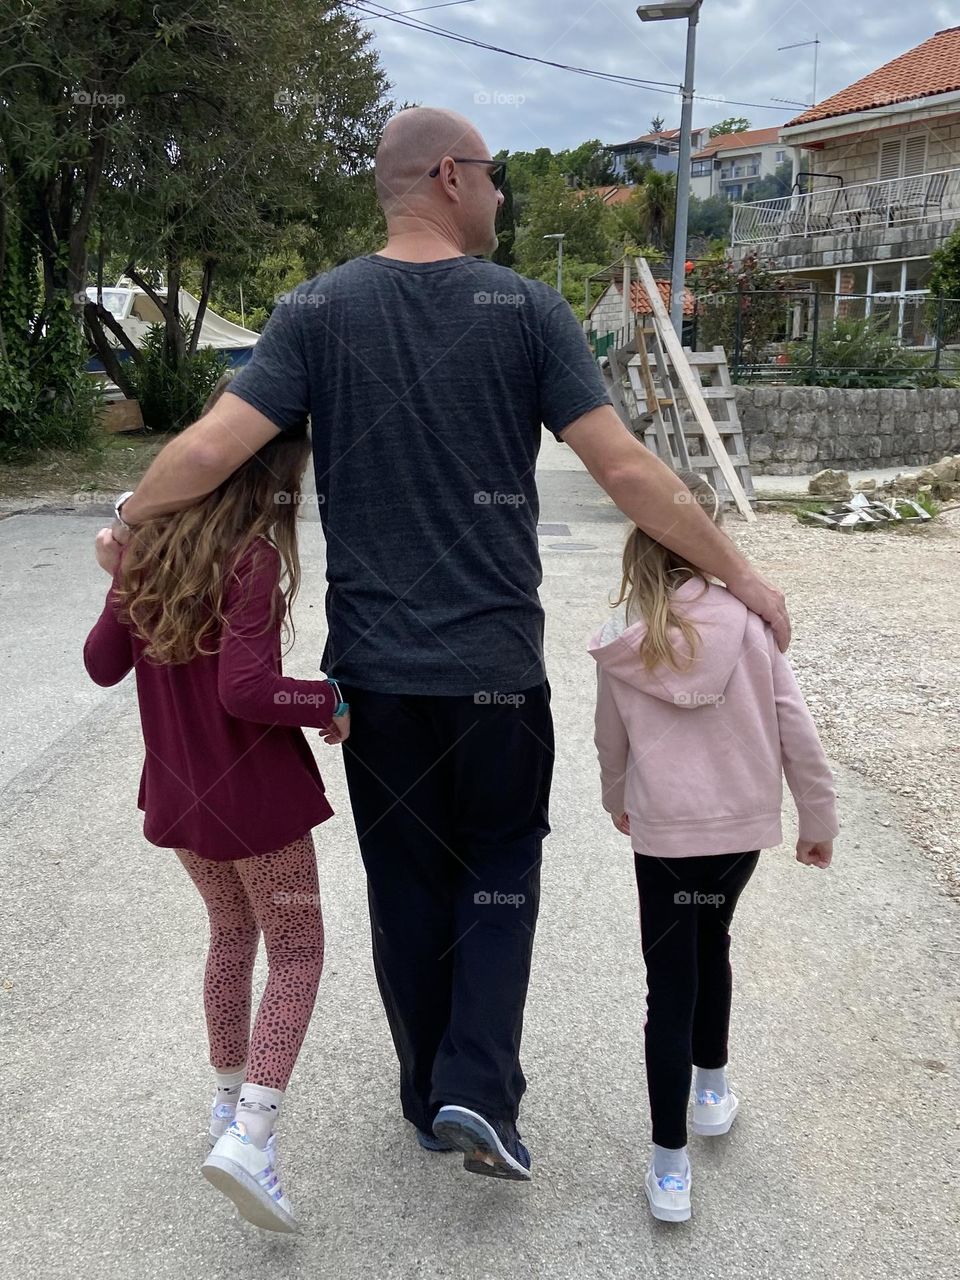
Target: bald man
point(426, 375)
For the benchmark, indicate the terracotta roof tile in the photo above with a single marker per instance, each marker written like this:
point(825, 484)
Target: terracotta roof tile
point(749, 138)
point(932, 67)
point(640, 303)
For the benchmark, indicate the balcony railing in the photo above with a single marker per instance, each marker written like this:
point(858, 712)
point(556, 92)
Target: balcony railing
point(924, 197)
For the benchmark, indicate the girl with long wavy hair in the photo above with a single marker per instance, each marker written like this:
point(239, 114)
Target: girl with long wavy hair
point(197, 609)
point(699, 716)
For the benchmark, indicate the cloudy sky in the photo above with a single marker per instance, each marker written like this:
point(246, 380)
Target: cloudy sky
point(521, 105)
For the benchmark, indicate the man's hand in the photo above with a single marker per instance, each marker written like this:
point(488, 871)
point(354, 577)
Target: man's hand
point(649, 493)
point(107, 551)
point(764, 598)
point(815, 854)
point(622, 823)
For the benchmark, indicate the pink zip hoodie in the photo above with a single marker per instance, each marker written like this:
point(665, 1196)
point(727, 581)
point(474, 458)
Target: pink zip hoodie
point(697, 758)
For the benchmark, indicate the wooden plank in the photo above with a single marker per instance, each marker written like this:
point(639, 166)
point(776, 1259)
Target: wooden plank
point(690, 385)
point(635, 374)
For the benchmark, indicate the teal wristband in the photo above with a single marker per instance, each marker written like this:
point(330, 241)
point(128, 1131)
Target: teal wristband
point(342, 707)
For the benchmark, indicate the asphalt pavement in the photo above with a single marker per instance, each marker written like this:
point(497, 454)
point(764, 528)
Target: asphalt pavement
point(843, 1161)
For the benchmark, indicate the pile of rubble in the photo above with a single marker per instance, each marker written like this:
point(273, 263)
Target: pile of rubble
point(892, 501)
point(861, 513)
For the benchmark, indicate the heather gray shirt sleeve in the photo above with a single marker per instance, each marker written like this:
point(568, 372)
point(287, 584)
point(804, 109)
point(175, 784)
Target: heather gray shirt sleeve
point(276, 381)
point(569, 381)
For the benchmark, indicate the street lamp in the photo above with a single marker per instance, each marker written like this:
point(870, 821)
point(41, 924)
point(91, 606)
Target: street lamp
point(662, 12)
point(558, 236)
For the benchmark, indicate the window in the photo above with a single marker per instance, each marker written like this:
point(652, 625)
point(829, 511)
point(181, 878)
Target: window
point(903, 156)
point(701, 168)
point(780, 157)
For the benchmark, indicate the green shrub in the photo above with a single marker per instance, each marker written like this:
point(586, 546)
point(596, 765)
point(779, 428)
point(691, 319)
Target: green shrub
point(861, 353)
point(172, 394)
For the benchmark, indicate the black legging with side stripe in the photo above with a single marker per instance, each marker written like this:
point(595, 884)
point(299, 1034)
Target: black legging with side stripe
point(686, 906)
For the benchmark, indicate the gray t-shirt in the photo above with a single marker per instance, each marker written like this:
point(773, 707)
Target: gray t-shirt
point(426, 384)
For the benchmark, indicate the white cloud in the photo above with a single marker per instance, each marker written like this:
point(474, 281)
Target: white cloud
point(737, 59)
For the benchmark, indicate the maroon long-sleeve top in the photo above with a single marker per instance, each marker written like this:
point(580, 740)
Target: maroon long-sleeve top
point(228, 773)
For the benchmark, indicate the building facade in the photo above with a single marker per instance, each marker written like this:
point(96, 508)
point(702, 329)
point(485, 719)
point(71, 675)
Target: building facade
point(732, 164)
point(883, 191)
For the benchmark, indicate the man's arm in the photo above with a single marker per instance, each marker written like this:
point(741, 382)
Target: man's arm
point(646, 490)
point(198, 460)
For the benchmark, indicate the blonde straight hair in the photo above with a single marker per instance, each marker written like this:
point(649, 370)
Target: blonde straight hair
point(651, 572)
point(175, 569)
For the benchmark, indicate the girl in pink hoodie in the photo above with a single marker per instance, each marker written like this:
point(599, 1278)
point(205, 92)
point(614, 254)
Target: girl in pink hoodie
point(699, 716)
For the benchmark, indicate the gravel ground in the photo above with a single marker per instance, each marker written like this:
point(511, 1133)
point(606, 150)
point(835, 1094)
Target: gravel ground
point(877, 650)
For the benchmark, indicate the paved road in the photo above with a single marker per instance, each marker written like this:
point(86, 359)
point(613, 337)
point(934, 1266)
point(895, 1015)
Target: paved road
point(843, 1162)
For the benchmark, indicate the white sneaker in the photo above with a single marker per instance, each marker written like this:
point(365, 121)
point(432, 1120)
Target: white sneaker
point(250, 1178)
point(221, 1118)
point(669, 1196)
point(712, 1114)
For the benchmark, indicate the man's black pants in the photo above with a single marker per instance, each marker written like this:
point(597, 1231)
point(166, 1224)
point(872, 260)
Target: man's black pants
point(450, 798)
point(686, 907)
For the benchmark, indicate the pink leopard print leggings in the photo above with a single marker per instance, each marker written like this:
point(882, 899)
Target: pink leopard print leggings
point(277, 893)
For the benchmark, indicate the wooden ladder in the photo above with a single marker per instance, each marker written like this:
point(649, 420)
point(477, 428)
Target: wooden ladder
point(713, 373)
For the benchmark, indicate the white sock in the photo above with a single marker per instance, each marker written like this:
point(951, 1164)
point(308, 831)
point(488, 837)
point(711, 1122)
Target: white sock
point(669, 1160)
point(228, 1085)
point(712, 1078)
point(258, 1110)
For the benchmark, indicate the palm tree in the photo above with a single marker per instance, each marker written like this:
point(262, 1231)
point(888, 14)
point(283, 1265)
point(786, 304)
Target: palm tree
point(659, 207)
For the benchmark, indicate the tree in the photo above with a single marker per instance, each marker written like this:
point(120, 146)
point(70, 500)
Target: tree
point(944, 280)
point(178, 139)
point(656, 124)
point(740, 306)
point(552, 207)
point(589, 164)
point(732, 124)
point(637, 170)
point(772, 185)
point(709, 219)
point(648, 216)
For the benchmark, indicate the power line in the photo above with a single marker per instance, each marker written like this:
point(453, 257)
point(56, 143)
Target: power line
point(655, 86)
point(419, 25)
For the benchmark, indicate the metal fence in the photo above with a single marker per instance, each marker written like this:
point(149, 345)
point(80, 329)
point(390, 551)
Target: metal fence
point(784, 335)
point(841, 208)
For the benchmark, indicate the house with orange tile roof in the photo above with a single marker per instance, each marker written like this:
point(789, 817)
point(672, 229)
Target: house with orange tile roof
point(661, 149)
point(879, 181)
point(732, 164)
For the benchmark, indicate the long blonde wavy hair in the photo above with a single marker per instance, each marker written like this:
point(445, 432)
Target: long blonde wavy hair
point(174, 571)
point(651, 572)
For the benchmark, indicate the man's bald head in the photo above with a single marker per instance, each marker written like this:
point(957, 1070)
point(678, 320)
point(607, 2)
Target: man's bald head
point(413, 142)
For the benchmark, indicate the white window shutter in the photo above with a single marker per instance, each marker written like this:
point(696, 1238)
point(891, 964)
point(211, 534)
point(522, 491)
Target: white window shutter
point(890, 158)
point(914, 155)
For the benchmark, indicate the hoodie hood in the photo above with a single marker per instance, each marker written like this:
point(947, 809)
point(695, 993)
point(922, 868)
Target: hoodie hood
point(720, 619)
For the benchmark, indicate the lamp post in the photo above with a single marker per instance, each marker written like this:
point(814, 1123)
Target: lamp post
point(558, 236)
point(666, 10)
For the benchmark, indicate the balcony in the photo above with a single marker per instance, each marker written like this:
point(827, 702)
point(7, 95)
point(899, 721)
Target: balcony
point(842, 224)
point(740, 171)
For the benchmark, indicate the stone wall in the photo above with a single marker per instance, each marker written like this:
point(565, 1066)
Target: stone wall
point(800, 430)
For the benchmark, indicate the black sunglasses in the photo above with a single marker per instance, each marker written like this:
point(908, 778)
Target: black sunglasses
point(497, 175)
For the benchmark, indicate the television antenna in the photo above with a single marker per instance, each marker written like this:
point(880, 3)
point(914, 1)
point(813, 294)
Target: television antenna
point(805, 44)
